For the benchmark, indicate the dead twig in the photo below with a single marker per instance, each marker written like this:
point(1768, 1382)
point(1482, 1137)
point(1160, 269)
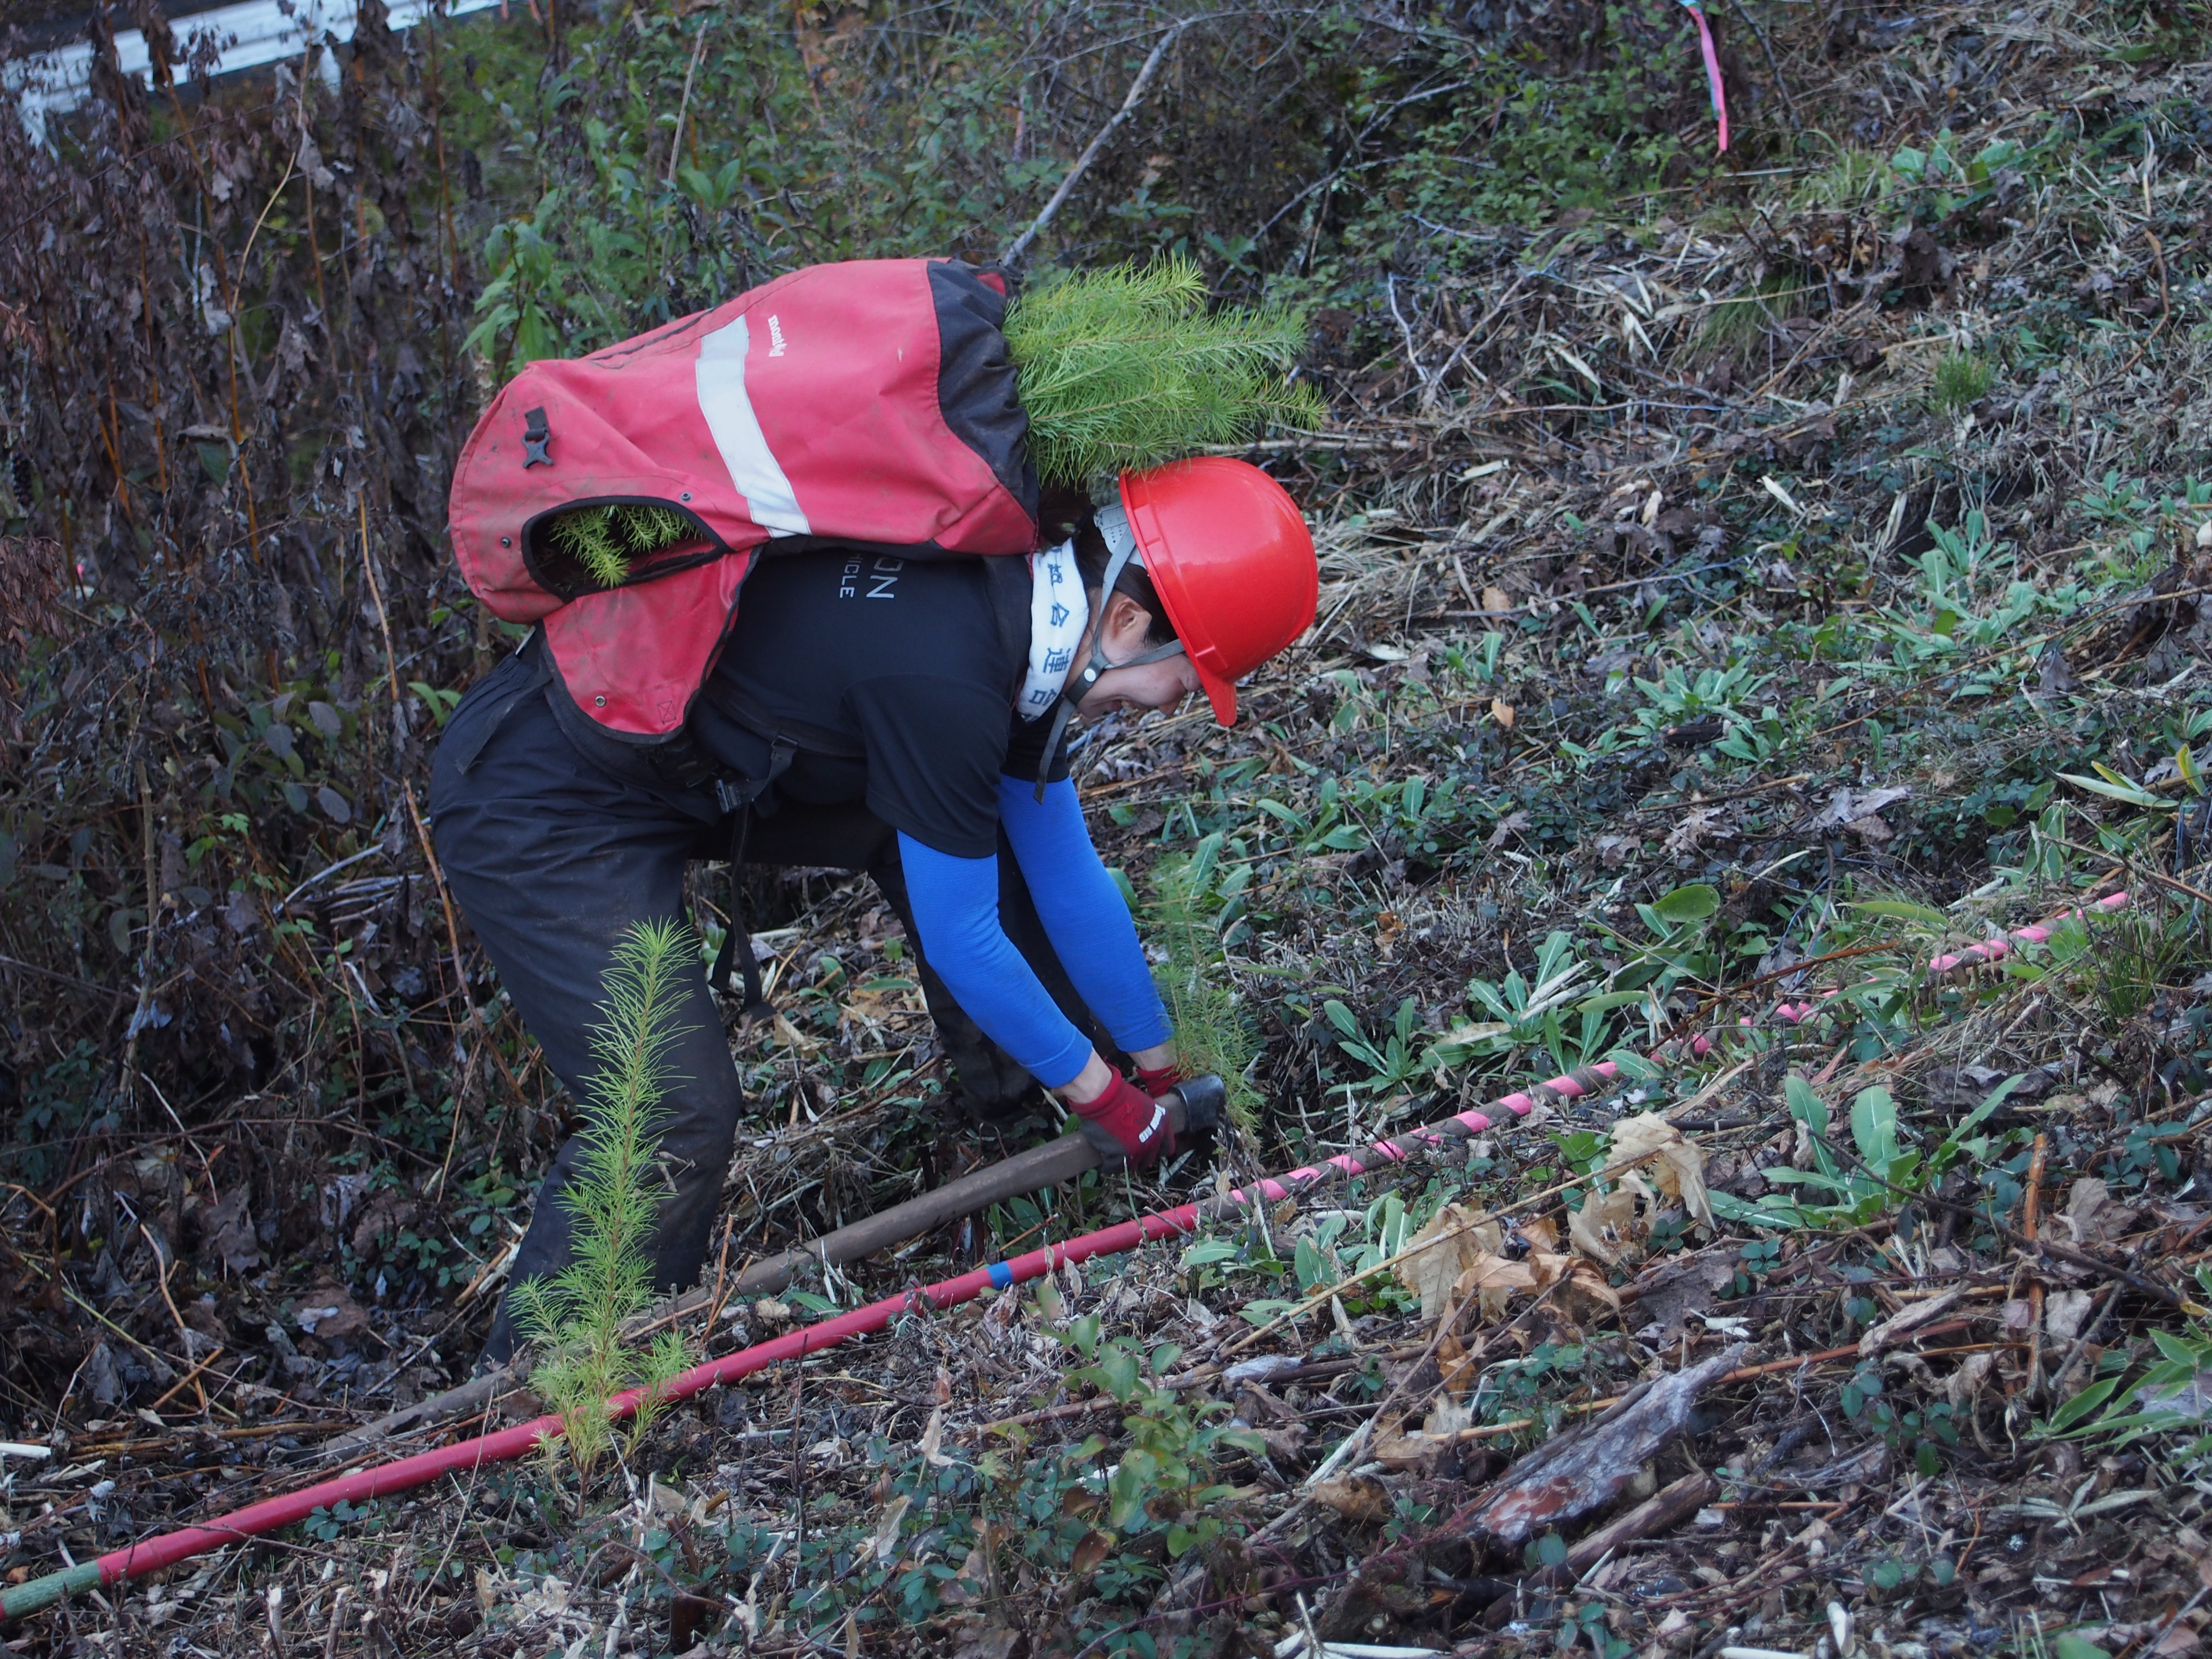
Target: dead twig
point(2149, 1287)
point(1137, 88)
point(2134, 869)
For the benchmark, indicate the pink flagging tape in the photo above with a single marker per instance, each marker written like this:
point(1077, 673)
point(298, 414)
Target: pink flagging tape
point(1993, 948)
point(1520, 1104)
point(1713, 81)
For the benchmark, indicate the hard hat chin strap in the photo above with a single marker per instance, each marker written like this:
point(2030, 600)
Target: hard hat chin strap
point(1122, 553)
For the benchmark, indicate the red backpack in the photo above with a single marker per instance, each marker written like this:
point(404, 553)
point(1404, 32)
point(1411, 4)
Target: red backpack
point(872, 401)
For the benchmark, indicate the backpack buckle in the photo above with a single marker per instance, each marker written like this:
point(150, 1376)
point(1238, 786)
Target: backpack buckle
point(536, 435)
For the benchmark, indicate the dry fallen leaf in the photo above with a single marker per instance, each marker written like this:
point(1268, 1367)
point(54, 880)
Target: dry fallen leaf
point(1502, 712)
point(2063, 1312)
point(1507, 826)
point(993, 1642)
point(1697, 826)
point(1089, 1552)
point(1675, 1291)
point(884, 1543)
point(1496, 599)
point(1394, 1448)
point(1490, 1280)
point(933, 1438)
point(969, 1584)
point(1457, 1370)
point(1965, 1384)
point(1448, 1417)
point(1604, 1226)
point(2091, 1216)
point(1586, 1284)
point(1354, 1496)
point(1680, 1169)
point(1442, 1251)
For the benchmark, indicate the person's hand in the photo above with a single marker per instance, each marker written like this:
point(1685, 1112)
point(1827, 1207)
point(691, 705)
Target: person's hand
point(1126, 1125)
point(1157, 1080)
point(1157, 1070)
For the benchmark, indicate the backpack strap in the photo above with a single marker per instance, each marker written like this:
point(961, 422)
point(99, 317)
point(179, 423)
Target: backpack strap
point(779, 728)
point(738, 796)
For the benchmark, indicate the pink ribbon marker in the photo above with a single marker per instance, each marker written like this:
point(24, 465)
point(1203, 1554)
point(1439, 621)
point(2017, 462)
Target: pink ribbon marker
point(1712, 69)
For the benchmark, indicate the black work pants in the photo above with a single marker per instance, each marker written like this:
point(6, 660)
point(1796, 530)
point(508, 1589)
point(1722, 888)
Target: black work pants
point(554, 860)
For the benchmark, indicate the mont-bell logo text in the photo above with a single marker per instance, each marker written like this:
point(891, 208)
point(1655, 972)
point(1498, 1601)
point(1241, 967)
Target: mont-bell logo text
point(775, 337)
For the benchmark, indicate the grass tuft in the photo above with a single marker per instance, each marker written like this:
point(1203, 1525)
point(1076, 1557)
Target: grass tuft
point(1210, 1032)
point(1962, 379)
point(1737, 324)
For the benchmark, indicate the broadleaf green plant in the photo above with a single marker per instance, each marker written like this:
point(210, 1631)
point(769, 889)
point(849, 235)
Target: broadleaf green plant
point(576, 1317)
point(1126, 368)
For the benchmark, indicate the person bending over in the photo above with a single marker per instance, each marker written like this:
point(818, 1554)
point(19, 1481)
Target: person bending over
point(872, 710)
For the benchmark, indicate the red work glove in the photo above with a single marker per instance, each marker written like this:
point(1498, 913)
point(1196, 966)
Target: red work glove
point(1127, 1124)
point(1157, 1080)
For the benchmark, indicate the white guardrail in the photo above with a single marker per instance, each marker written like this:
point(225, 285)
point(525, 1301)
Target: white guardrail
point(246, 36)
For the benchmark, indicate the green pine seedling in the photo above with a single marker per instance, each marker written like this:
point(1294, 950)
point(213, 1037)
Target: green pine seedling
point(1125, 368)
point(1211, 1033)
point(576, 1318)
point(604, 539)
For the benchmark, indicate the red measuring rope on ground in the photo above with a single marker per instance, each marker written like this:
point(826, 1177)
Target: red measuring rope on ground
point(406, 1474)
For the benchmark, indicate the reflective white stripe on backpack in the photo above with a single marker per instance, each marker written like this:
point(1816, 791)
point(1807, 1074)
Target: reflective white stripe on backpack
point(770, 500)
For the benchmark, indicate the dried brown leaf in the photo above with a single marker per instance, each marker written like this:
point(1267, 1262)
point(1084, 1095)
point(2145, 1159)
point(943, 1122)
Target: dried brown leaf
point(933, 1439)
point(1492, 1279)
point(1354, 1496)
point(1444, 1250)
point(1696, 826)
point(1457, 1370)
point(1586, 1285)
point(1679, 1171)
point(1605, 1227)
point(884, 1542)
point(2091, 1216)
point(1965, 1384)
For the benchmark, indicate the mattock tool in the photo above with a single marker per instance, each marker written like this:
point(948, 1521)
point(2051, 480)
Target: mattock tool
point(1194, 1106)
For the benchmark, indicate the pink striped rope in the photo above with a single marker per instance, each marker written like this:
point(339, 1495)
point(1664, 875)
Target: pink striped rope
point(1590, 1079)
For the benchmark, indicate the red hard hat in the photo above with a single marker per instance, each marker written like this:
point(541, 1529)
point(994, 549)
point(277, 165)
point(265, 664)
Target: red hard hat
point(1232, 561)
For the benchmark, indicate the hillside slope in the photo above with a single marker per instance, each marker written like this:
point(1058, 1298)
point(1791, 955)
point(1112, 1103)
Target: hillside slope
point(1738, 595)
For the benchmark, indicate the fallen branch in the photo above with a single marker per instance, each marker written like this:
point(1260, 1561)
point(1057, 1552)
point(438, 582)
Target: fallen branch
point(1578, 1475)
point(1662, 1512)
point(1137, 88)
